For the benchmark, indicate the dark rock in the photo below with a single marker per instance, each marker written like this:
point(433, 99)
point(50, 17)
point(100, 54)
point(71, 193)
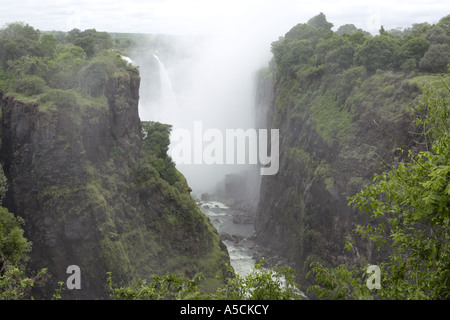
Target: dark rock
point(303, 215)
point(75, 178)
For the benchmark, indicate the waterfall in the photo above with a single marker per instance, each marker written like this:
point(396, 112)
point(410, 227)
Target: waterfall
point(167, 102)
point(158, 101)
point(211, 84)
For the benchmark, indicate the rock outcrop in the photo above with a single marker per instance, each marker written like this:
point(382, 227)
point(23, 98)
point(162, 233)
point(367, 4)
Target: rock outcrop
point(79, 178)
point(303, 211)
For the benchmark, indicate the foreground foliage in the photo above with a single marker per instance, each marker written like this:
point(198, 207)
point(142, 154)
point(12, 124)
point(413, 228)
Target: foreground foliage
point(409, 208)
point(260, 284)
point(14, 249)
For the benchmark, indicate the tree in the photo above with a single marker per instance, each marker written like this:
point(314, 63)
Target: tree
point(165, 287)
point(20, 30)
point(17, 40)
point(73, 35)
point(261, 284)
point(320, 21)
point(357, 38)
point(419, 29)
point(444, 23)
point(436, 59)
point(88, 45)
point(94, 77)
point(326, 45)
point(409, 208)
point(30, 85)
point(379, 52)
point(437, 35)
point(30, 65)
point(415, 48)
point(382, 31)
point(14, 249)
point(340, 283)
point(290, 53)
point(346, 29)
point(13, 246)
point(156, 138)
point(47, 46)
point(342, 57)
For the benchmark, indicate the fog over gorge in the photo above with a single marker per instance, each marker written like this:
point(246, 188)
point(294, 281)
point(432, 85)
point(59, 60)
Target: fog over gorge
point(224, 150)
point(213, 76)
point(213, 84)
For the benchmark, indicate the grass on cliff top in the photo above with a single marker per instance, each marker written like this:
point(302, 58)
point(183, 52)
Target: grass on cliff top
point(68, 99)
point(439, 82)
point(335, 101)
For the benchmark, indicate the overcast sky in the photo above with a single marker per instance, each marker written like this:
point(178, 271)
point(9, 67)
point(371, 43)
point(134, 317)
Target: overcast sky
point(210, 16)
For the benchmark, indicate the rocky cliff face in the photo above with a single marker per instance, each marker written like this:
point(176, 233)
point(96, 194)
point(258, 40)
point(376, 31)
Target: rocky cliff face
point(76, 176)
point(303, 212)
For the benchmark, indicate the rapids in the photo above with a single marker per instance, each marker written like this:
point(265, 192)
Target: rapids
point(236, 236)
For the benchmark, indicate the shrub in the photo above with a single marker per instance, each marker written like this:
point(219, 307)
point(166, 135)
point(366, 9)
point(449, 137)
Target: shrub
point(60, 98)
point(388, 91)
point(30, 85)
point(435, 59)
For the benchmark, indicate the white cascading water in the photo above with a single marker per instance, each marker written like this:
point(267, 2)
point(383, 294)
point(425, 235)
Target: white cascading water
point(167, 103)
point(165, 107)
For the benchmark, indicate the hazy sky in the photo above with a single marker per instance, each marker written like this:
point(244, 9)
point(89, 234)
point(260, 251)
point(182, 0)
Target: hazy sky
point(210, 16)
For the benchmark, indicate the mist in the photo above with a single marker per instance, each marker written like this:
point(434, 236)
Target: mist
point(212, 63)
point(212, 79)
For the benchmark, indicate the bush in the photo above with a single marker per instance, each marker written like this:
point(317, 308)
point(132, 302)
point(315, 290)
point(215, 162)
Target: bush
point(30, 85)
point(435, 59)
point(388, 91)
point(409, 208)
point(260, 284)
point(409, 66)
point(60, 98)
point(88, 45)
point(380, 52)
point(14, 249)
point(95, 75)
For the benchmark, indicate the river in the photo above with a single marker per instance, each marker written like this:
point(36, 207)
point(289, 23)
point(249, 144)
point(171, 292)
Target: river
point(237, 236)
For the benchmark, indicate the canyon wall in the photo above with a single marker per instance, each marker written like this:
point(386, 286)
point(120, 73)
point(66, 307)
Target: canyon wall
point(80, 176)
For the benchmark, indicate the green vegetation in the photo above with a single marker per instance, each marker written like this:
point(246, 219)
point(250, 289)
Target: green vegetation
point(125, 189)
point(409, 208)
point(319, 73)
point(261, 284)
point(14, 250)
point(328, 87)
point(156, 145)
point(330, 78)
point(34, 65)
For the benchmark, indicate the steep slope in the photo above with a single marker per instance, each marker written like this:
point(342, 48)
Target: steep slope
point(80, 176)
point(340, 122)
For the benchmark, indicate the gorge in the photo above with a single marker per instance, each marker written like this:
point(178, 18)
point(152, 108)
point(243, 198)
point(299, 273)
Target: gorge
point(87, 148)
point(340, 100)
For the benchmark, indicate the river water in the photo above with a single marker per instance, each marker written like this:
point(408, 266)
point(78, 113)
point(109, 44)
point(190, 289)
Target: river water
point(237, 236)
